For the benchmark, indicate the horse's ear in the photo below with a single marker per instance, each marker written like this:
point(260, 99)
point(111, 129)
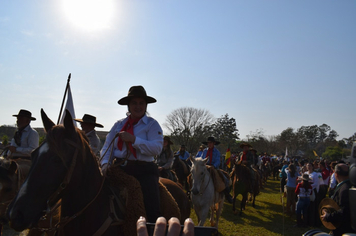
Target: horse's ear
point(13, 167)
point(47, 123)
point(68, 122)
point(192, 159)
point(206, 160)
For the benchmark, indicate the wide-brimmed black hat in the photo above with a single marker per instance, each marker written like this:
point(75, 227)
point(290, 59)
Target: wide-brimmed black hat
point(168, 140)
point(25, 113)
point(252, 149)
point(245, 144)
point(330, 206)
point(89, 119)
point(211, 139)
point(136, 91)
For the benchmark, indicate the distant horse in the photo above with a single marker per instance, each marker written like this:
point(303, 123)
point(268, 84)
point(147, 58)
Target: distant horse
point(64, 167)
point(168, 174)
point(182, 171)
point(12, 175)
point(204, 196)
point(241, 185)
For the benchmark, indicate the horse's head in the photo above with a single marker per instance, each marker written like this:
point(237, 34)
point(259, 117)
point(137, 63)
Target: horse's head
point(54, 164)
point(199, 172)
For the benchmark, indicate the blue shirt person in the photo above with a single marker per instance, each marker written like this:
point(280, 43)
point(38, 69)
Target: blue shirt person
point(212, 153)
point(182, 153)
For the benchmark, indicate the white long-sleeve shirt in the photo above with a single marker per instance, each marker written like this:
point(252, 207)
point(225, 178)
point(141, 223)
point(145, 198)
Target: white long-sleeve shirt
point(29, 142)
point(148, 143)
point(316, 178)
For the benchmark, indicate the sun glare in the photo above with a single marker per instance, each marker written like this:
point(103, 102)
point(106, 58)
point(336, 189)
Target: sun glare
point(90, 15)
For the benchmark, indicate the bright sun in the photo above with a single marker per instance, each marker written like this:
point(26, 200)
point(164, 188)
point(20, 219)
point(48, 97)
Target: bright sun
point(90, 15)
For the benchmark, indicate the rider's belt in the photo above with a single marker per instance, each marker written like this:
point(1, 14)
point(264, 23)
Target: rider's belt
point(132, 163)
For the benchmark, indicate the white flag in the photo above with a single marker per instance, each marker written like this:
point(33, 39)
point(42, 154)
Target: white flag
point(285, 157)
point(69, 106)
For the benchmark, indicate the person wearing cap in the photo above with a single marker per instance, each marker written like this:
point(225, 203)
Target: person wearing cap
point(340, 218)
point(88, 124)
point(26, 139)
point(165, 159)
point(303, 191)
point(182, 153)
point(134, 141)
point(213, 155)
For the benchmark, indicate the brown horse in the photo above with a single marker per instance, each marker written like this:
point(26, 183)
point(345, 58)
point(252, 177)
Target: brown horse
point(182, 171)
point(242, 181)
point(65, 168)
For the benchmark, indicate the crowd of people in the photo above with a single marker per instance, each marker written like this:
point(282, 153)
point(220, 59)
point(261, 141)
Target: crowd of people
point(137, 141)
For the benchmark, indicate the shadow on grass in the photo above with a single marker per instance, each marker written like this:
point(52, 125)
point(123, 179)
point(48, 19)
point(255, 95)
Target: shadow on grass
point(267, 214)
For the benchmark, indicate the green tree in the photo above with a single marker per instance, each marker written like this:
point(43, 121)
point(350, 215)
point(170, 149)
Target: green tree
point(224, 130)
point(333, 153)
point(5, 140)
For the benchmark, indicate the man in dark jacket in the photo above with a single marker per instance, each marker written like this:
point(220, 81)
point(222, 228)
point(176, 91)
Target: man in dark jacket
point(341, 218)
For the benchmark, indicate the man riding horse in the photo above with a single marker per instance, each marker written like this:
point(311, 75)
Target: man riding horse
point(213, 155)
point(247, 158)
point(25, 139)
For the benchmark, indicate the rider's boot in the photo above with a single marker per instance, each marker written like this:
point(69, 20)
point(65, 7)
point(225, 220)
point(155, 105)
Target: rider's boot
point(227, 195)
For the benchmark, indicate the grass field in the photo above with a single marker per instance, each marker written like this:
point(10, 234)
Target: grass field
point(266, 219)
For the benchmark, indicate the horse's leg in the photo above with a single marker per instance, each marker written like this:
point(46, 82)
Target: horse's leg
point(243, 202)
point(203, 215)
point(219, 210)
point(212, 214)
point(233, 204)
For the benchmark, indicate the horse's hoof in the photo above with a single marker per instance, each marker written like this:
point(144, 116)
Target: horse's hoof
point(235, 212)
point(240, 214)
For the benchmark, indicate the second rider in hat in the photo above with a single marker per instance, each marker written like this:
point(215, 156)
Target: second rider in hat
point(88, 124)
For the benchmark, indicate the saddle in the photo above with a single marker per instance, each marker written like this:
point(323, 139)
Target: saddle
point(127, 190)
point(217, 177)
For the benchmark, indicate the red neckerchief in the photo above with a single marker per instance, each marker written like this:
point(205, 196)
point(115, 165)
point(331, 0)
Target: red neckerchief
point(128, 127)
point(243, 157)
point(210, 154)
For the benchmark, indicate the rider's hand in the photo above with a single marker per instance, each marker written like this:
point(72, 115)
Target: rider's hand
point(160, 229)
point(12, 149)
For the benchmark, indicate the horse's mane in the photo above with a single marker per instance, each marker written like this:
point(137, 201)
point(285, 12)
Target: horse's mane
point(242, 171)
point(55, 138)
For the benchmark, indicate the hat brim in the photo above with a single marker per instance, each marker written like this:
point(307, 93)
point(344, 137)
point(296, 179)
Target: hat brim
point(242, 145)
point(330, 205)
point(216, 143)
point(126, 100)
point(96, 124)
point(32, 118)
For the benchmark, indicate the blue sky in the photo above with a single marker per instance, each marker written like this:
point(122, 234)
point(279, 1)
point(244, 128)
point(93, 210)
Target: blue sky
point(268, 64)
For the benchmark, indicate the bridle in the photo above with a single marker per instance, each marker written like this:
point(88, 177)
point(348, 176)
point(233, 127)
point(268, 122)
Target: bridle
point(52, 202)
point(202, 182)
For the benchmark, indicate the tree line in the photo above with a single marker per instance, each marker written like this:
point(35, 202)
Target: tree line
point(191, 126)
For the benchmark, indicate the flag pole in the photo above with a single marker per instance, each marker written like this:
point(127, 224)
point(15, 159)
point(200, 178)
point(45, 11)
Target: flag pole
point(64, 97)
